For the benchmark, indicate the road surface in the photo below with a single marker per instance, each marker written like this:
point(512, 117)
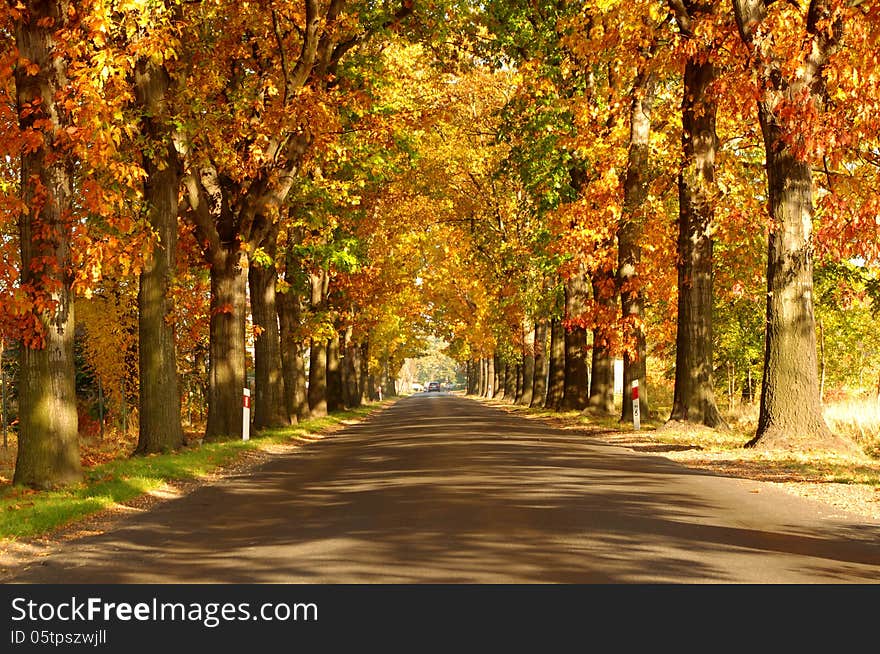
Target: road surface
point(442, 489)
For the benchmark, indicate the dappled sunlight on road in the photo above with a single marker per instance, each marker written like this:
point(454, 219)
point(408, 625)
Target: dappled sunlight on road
point(443, 489)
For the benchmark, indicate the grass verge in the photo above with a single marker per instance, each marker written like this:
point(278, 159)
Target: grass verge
point(26, 513)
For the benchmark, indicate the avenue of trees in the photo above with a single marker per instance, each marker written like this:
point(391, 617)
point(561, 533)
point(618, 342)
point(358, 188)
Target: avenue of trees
point(546, 185)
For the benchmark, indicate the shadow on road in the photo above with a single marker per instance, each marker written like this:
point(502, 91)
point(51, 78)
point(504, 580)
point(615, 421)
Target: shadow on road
point(445, 490)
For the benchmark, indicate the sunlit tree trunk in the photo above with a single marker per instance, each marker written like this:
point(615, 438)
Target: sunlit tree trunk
point(539, 374)
point(790, 412)
point(556, 379)
point(528, 367)
point(317, 392)
point(48, 446)
point(159, 411)
point(226, 373)
point(334, 375)
point(289, 305)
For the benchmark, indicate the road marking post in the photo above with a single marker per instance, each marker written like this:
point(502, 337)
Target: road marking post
point(246, 415)
point(637, 423)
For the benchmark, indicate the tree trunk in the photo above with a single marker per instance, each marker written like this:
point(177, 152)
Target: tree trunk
point(293, 366)
point(318, 378)
point(539, 374)
point(790, 407)
point(490, 376)
point(556, 380)
point(350, 368)
point(48, 446)
point(270, 407)
point(289, 305)
point(481, 377)
point(694, 394)
point(472, 382)
point(159, 411)
point(576, 393)
point(518, 384)
point(498, 381)
point(334, 375)
point(790, 415)
point(528, 369)
point(509, 382)
point(226, 375)
point(365, 383)
point(629, 251)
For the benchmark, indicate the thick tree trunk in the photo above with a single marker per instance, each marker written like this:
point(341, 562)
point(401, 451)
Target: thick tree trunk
point(482, 382)
point(602, 364)
point(498, 378)
point(470, 370)
point(509, 382)
point(289, 305)
point(350, 370)
point(517, 393)
point(629, 250)
point(790, 408)
point(556, 379)
point(159, 413)
point(791, 414)
point(694, 394)
point(226, 374)
point(48, 446)
point(334, 375)
point(270, 409)
point(539, 373)
point(318, 378)
point(528, 378)
point(577, 392)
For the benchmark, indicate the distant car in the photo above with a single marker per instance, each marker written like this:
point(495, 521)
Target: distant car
point(433, 386)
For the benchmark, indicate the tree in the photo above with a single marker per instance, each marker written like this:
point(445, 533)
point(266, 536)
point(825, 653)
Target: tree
point(694, 393)
point(48, 451)
point(790, 407)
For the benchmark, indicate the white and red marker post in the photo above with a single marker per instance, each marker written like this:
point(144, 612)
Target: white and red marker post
point(637, 422)
point(246, 415)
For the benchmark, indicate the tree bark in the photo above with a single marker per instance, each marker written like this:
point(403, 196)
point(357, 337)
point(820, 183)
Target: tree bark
point(576, 393)
point(498, 379)
point(509, 382)
point(226, 373)
point(270, 408)
point(694, 392)
point(539, 374)
point(289, 305)
point(528, 377)
point(334, 375)
point(556, 380)
point(366, 382)
point(159, 414)
point(629, 251)
point(518, 384)
point(318, 378)
point(490, 376)
point(48, 445)
point(350, 370)
point(790, 413)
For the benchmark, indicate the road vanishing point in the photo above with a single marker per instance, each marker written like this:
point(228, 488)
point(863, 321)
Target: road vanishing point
point(438, 488)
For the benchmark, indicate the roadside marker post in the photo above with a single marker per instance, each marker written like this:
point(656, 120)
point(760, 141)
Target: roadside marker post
point(246, 415)
point(637, 422)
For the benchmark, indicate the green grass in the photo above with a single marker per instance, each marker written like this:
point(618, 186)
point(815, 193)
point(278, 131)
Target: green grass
point(26, 513)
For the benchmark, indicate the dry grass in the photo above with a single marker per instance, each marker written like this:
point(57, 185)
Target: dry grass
point(850, 483)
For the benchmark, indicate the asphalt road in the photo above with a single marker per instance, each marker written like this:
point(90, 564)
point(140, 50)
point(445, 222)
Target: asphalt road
point(441, 489)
